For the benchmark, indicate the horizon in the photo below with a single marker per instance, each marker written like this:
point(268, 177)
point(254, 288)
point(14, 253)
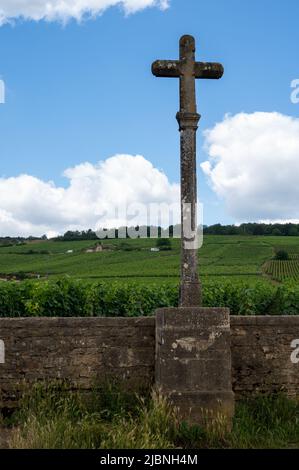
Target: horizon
point(164, 231)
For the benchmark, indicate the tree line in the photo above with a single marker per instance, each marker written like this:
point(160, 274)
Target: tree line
point(287, 230)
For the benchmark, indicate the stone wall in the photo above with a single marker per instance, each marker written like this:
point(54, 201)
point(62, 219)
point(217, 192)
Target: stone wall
point(261, 355)
point(81, 350)
point(77, 349)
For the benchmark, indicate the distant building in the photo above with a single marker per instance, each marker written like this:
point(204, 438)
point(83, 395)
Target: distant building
point(98, 248)
point(70, 251)
point(155, 250)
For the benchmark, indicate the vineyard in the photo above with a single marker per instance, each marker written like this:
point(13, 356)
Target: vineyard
point(62, 279)
point(221, 257)
point(282, 270)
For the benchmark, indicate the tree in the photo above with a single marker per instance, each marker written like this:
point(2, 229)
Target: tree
point(282, 255)
point(293, 232)
point(164, 244)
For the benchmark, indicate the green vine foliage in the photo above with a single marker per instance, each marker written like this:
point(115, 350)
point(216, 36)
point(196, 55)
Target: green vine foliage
point(70, 298)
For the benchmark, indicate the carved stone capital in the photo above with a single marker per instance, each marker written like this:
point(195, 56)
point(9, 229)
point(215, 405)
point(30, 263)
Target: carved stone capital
point(188, 120)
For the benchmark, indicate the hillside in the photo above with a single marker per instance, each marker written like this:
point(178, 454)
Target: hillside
point(221, 256)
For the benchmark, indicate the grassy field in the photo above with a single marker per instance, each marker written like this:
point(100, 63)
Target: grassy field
point(248, 258)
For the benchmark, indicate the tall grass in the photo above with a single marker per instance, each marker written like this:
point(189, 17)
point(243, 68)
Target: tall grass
point(266, 422)
point(111, 418)
point(50, 417)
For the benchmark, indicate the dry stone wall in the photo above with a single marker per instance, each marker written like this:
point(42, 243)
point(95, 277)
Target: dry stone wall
point(80, 350)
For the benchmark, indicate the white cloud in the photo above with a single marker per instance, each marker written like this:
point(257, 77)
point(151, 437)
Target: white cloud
point(30, 206)
point(254, 165)
point(63, 10)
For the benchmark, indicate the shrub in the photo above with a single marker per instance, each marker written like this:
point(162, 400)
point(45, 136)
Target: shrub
point(129, 300)
point(282, 255)
point(124, 246)
point(164, 244)
point(63, 298)
point(12, 295)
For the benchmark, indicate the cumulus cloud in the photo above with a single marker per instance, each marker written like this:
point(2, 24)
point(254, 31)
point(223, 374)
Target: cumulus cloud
point(30, 206)
point(254, 165)
point(63, 10)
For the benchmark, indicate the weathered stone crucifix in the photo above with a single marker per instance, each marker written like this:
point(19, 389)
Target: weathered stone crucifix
point(187, 70)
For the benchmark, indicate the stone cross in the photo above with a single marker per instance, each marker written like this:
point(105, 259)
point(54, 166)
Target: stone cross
point(187, 70)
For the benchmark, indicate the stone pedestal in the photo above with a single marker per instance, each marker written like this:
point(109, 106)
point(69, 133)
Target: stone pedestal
point(193, 362)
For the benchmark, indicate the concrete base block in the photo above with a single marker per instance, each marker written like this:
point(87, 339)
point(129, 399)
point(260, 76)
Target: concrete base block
point(193, 362)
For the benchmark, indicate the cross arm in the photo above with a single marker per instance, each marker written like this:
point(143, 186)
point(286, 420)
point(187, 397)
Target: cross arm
point(173, 68)
point(166, 68)
point(211, 70)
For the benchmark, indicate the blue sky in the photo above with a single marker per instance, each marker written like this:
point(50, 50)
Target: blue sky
point(83, 92)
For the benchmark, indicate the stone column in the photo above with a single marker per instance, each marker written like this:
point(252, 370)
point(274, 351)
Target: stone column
point(190, 287)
